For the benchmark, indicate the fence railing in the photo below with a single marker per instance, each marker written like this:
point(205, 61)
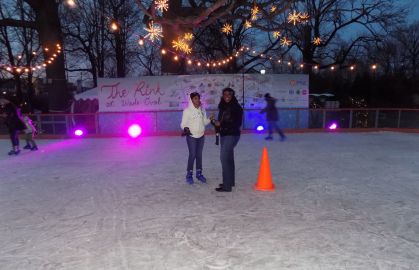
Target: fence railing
point(161, 122)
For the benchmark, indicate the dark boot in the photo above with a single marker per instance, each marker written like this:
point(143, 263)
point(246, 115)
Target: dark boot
point(189, 177)
point(200, 177)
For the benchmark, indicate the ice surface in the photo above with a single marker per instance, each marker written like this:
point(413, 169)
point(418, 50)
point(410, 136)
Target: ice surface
point(343, 201)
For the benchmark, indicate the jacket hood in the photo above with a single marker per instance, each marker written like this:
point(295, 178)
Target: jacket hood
point(190, 104)
point(224, 104)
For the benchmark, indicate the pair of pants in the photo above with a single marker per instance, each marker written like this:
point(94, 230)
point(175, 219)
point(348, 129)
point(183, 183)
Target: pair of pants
point(227, 160)
point(274, 125)
point(29, 139)
point(14, 137)
point(195, 147)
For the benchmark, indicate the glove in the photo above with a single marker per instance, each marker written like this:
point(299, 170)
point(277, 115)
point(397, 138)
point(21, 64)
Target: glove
point(186, 132)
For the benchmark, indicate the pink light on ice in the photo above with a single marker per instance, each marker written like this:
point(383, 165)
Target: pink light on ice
point(134, 131)
point(333, 126)
point(78, 132)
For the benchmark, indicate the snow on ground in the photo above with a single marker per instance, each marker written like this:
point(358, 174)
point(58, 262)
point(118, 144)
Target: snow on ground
point(343, 201)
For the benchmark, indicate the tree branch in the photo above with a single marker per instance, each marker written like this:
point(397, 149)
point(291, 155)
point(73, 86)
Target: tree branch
point(18, 23)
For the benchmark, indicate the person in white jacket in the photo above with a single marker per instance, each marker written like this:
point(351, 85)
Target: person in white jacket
point(194, 120)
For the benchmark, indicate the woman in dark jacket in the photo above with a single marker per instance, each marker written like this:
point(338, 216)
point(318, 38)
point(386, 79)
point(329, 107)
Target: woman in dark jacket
point(14, 124)
point(272, 117)
point(229, 121)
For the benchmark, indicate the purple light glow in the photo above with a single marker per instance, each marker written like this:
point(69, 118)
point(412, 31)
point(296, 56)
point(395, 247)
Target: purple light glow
point(78, 132)
point(260, 128)
point(134, 131)
point(333, 126)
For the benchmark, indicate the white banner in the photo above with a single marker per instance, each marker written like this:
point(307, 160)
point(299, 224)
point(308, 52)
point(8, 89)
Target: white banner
point(159, 93)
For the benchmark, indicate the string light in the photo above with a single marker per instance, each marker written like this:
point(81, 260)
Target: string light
point(71, 3)
point(114, 26)
point(28, 68)
point(141, 42)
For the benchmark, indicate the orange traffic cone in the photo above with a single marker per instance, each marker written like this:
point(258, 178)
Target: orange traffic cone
point(264, 182)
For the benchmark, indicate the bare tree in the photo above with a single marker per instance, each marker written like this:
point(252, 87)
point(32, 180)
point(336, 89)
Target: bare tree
point(21, 49)
point(408, 37)
point(48, 26)
point(341, 26)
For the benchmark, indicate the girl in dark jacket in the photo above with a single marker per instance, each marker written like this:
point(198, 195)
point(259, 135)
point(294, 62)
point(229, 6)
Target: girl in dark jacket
point(229, 121)
point(14, 124)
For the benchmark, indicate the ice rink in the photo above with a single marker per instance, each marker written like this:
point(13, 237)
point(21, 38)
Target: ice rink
point(343, 201)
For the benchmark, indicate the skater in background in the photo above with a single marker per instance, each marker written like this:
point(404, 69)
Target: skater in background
point(30, 133)
point(229, 121)
point(272, 117)
point(194, 120)
point(14, 124)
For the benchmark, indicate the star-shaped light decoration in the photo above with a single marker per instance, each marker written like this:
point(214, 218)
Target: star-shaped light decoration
point(254, 13)
point(181, 45)
point(285, 42)
point(153, 32)
point(162, 5)
point(304, 16)
point(227, 29)
point(276, 34)
point(317, 41)
point(247, 24)
point(273, 9)
point(294, 17)
point(188, 36)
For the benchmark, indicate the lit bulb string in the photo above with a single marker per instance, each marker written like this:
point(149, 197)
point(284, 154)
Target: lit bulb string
point(28, 68)
point(220, 62)
point(216, 63)
point(294, 18)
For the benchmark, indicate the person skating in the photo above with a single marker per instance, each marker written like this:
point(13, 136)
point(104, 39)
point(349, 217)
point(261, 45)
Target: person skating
point(229, 121)
point(30, 133)
point(14, 124)
point(194, 120)
point(272, 117)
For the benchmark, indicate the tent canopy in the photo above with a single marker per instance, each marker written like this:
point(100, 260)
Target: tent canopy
point(91, 94)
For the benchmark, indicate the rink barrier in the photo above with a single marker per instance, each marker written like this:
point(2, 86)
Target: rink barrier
point(164, 123)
